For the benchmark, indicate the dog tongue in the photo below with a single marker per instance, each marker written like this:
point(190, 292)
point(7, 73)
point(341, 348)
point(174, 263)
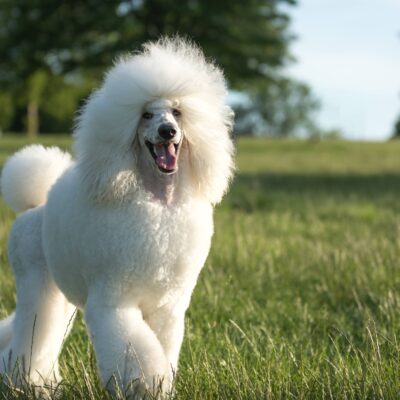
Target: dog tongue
point(166, 156)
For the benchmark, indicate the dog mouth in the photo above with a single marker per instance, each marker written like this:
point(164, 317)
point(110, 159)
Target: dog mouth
point(165, 155)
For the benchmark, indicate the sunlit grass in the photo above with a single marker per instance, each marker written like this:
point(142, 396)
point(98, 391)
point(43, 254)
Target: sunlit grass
point(299, 297)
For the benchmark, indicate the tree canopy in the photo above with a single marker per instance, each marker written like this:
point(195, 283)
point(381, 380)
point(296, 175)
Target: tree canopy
point(283, 107)
point(46, 44)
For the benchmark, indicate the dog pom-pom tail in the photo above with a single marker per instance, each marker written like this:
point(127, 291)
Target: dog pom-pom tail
point(29, 174)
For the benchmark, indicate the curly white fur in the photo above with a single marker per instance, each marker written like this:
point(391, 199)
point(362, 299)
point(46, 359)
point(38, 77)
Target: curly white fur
point(120, 237)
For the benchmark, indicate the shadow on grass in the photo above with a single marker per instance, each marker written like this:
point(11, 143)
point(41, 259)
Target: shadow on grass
point(251, 192)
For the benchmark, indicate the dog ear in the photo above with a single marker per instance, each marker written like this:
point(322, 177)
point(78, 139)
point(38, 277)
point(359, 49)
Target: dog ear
point(207, 127)
point(105, 149)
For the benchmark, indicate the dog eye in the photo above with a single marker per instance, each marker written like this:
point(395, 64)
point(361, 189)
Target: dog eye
point(147, 115)
point(176, 113)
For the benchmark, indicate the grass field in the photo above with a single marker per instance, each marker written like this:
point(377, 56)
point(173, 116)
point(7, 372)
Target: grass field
point(300, 296)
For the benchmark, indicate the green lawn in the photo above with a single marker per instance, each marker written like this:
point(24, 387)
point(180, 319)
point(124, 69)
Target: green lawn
point(300, 296)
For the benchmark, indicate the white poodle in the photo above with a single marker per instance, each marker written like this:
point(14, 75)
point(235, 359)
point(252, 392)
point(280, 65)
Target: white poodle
point(122, 232)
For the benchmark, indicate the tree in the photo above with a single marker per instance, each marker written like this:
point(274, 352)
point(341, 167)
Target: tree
point(36, 86)
point(250, 40)
point(396, 130)
point(282, 107)
point(35, 36)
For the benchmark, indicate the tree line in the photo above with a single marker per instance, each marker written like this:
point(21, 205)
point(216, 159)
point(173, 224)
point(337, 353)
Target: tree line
point(53, 53)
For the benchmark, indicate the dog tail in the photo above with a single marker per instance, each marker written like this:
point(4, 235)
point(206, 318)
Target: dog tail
point(29, 174)
point(6, 328)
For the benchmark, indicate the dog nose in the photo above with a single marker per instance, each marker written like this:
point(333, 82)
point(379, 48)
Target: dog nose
point(166, 131)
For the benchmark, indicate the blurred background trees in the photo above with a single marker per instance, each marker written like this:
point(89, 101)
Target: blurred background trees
point(396, 130)
point(279, 107)
point(52, 54)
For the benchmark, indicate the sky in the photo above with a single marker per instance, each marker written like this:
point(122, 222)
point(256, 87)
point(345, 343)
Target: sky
point(348, 51)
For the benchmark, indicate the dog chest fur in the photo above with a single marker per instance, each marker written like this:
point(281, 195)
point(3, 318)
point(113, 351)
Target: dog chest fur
point(102, 247)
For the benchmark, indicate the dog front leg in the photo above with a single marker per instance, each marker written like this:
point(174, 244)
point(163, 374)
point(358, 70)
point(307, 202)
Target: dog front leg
point(168, 325)
point(130, 358)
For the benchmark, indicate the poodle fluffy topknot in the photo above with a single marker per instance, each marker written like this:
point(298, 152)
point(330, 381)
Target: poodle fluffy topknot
point(122, 232)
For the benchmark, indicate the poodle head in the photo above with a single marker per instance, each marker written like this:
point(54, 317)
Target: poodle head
point(160, 115)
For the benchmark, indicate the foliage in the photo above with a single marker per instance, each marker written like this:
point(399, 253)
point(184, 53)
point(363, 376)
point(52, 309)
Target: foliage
point(45, 42)
point(300, 295)
point(36, 85)
point(6, 111)
point(396, 130)
point(62, 98)
point(282, 107)
point(244, 37)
